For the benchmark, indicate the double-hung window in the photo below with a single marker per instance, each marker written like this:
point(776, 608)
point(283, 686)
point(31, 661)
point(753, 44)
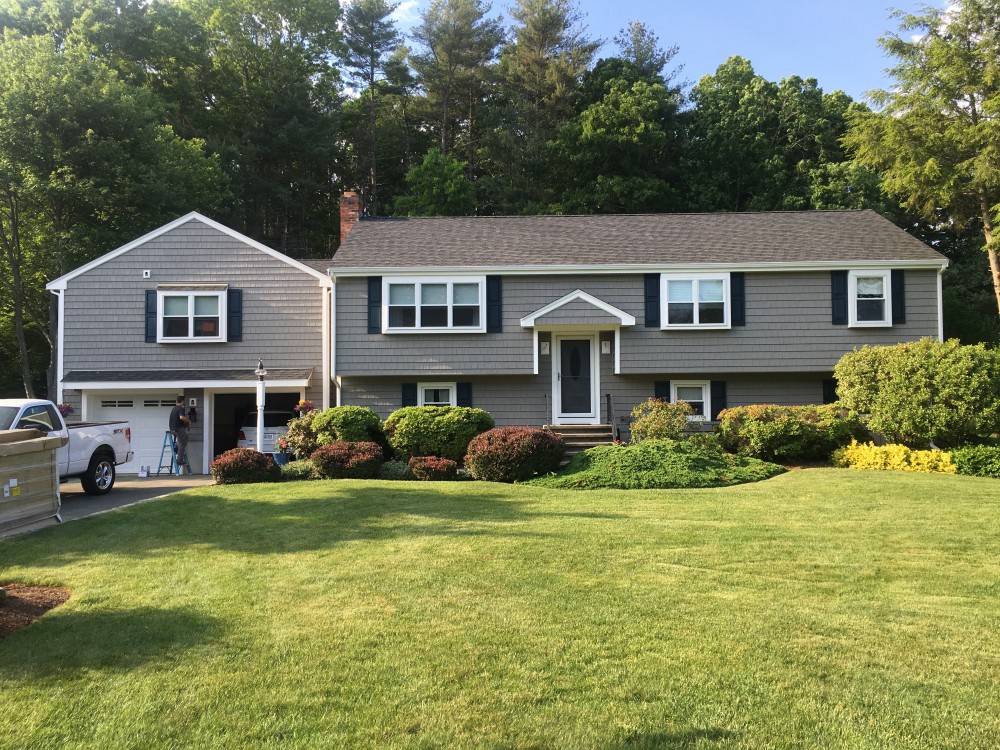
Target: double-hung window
point(695, 300)
point(191, 316)
point(436, 394)
point(697, 393)
point(435, 305)
point(869, 298)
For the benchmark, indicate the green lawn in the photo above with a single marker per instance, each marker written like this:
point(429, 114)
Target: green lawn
point(819, 609)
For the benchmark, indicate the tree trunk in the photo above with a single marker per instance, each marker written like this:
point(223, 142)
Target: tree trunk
point(374, 171)
point(984, 210)
point(22, 342)
point(52, 376)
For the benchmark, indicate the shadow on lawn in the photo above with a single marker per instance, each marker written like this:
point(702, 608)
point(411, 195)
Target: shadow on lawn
point(317, 516)
point(682, 740)
point(68, 642)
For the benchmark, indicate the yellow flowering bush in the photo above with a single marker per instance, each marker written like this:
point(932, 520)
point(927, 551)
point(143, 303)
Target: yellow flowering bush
point(892, 458)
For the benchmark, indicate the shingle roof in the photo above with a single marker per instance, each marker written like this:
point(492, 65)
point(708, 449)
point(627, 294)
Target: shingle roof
point(656, 239)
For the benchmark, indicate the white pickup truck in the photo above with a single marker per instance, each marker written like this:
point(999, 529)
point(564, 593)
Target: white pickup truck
point(93, 450)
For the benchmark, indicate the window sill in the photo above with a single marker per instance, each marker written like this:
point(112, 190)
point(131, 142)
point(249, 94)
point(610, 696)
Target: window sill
point(393, 331)
point(713, 327)
point(199, 340)
point(874, 324)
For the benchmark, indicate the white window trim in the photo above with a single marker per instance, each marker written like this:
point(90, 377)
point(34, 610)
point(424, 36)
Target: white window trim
point(417, 281)
point(452, 389)
point(706, 389)
point(852, 299)
point(161, 339)
point(726, 299)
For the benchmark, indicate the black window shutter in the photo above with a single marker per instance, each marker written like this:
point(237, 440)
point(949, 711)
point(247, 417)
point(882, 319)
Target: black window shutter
point(661, 389)
point(651, 284)
point(718, 391)
point(738, 298)
point(898, 298)
point(409, 394)
point(829, 390)
point(375, 307)
point(234, 315)
point(463, 394)
point(494, 304)
point(150, 316)
point(838, 296)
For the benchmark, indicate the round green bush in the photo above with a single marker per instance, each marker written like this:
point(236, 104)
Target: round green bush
point(977, 460)
point(658, 464)
point(924, 392)
point(433, 468)
point(244, 466)
point(656, 419)
point(781, 433)
point(348, 424)
point(513, 454)
point(395, 470)
point(443, 431)
point(295, 471)
point(340, 460)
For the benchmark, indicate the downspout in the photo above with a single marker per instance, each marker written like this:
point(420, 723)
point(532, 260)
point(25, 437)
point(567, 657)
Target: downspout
point(327, 341)
point(332, 360)
point(60, 295)
point(940, 303)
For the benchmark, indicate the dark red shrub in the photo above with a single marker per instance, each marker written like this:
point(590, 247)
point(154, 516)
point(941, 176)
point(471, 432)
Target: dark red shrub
point(433, 468)
point(244, 466)
point(513, 454)
point(342, 460)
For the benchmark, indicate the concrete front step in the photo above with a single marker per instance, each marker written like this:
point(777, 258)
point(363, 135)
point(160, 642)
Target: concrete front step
point(579, 437)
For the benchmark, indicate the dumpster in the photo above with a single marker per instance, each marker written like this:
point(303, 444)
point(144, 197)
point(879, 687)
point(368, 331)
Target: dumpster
point(29, 480)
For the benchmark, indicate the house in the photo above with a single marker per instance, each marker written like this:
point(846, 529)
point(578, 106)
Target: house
point(189, 309)
point(576, 319)
point(563, 320)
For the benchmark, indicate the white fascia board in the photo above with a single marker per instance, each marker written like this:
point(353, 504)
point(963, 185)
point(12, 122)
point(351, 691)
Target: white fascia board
point(161, 385)
point(634, 268)
point(625, 319)
point(60, 283)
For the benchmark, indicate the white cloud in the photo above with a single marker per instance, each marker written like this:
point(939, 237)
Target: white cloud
point(406, 13)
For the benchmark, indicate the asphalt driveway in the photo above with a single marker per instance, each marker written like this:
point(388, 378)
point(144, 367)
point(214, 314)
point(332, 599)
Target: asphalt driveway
point(128, 490)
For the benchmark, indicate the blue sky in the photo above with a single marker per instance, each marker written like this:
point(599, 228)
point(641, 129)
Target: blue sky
point(834, 41)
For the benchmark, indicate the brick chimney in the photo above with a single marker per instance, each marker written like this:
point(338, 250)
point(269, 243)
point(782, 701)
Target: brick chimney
point(350, 212)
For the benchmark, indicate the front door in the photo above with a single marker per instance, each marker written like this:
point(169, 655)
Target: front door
point(575, 381)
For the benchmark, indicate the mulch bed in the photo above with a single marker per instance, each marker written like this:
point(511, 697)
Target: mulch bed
point(25, 604)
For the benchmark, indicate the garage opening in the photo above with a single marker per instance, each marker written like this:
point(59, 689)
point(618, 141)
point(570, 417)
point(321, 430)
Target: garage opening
point(231, 409)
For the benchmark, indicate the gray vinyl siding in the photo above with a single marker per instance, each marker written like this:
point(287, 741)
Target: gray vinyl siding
point(527, 400)
point(282, 307)
point(788, 329)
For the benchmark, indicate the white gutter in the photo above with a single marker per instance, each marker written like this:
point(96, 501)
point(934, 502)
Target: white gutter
point(634, 268)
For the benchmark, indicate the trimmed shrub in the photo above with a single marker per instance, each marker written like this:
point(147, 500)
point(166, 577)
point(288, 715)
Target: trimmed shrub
point(295, 471)
point(350, 424)
point(658, 464)
point(656, 419)
point(244, 466)
point(340, 460)
point(433, 468)
point(513, 454)
point(892, 458)
point(779, 433)
point(924, 392)
point(443, 431)
point(395, 470)
point(977, 460)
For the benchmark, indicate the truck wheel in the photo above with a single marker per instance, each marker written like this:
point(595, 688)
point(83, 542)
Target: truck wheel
point(100, 476)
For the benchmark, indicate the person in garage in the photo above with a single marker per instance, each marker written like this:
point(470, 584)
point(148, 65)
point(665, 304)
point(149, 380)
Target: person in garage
point(179, 429)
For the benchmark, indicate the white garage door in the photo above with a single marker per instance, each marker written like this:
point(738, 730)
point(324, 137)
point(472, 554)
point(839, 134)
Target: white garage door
point(147, 414)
